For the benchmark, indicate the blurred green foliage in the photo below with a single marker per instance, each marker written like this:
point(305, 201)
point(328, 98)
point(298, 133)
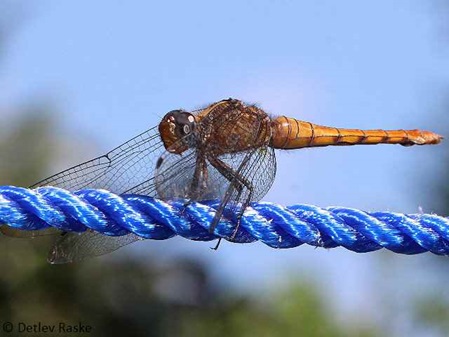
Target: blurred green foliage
point(26, 146)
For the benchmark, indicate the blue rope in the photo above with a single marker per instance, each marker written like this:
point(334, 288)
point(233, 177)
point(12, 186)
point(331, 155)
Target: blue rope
point(274, 225)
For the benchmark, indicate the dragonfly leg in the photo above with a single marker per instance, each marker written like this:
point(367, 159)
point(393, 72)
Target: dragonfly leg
point(238, 182)
point(217, 245)
point(240, 213)
point(198, 184)
point(199, 180)
point(233, 177)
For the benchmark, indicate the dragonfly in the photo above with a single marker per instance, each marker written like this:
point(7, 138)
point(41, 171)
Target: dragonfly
point(224, 151)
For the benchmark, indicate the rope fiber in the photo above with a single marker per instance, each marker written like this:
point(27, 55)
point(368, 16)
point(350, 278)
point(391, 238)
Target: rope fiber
point(274, 225)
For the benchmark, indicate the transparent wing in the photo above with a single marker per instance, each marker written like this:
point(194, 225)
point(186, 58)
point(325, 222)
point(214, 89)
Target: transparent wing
point(173, 179)
point(71, 247)
point(175, 176)
point(128, 165)
point(253, 171)
point(172, 176)
point(252, 176)
point(257, 170)
point(118, 171)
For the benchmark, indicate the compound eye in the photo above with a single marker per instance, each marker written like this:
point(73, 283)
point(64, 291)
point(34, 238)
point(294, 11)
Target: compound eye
point(186, 129)
point(186, 123)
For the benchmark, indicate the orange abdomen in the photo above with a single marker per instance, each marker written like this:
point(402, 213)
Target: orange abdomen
point(290, 133)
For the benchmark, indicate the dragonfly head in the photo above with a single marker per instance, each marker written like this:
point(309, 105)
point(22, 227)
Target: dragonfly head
point(176, 129)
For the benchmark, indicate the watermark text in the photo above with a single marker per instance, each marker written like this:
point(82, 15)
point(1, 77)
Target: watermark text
point(41, 327)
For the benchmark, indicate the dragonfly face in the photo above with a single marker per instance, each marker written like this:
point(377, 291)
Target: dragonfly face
point(176, 130)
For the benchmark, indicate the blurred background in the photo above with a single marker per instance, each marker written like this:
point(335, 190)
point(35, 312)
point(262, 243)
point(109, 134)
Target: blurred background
point(79, 78)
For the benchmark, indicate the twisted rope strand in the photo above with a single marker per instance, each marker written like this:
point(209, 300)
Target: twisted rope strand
point(274, 225)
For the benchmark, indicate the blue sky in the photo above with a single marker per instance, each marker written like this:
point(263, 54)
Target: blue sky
point(113, 69)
